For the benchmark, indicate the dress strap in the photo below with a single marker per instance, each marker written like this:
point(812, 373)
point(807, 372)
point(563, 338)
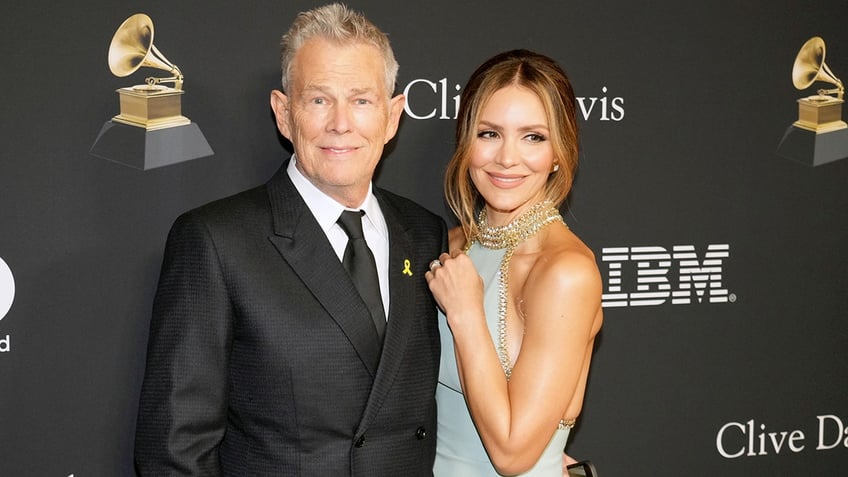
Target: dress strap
point(566, 424)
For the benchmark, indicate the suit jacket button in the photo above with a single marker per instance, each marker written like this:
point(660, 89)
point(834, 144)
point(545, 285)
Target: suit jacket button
point(421, 433)
point(360, 442)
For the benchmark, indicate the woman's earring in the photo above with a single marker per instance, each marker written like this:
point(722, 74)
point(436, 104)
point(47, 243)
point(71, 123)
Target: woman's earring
point(556, 167)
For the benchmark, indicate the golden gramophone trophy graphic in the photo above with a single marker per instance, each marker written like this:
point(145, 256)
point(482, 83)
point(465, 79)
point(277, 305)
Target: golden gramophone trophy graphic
point(819, 135)
point(150, 130)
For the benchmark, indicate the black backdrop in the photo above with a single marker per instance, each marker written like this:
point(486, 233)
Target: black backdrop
point(732, 361)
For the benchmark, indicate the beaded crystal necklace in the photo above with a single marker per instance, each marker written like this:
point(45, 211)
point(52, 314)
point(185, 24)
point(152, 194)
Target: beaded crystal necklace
point(508, 237)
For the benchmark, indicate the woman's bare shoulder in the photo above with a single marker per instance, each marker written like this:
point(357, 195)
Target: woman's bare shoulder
point(566, 264)
point(564, 284)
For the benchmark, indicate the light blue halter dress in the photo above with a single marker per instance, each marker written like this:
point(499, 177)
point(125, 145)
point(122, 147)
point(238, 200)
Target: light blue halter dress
point(459, 451)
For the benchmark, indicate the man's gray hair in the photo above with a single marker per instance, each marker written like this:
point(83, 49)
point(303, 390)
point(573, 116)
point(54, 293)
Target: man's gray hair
point(339, 24)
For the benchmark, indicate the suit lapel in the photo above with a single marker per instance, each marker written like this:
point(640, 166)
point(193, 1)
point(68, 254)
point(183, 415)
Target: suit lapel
point(304, 246)
point(401, 308)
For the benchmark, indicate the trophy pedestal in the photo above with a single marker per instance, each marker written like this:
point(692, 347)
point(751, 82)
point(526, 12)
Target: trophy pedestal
point(811, 148)
point(151, 107)
point(145, 149)
point(820, 114)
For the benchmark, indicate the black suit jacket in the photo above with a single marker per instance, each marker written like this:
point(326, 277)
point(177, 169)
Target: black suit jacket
point(262, 359)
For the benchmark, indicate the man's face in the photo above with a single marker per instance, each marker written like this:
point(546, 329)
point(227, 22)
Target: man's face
point(338, 116)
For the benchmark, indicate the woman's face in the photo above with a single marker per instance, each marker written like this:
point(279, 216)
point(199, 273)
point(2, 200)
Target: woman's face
point(512, 155)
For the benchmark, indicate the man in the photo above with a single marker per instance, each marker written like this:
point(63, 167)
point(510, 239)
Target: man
point(264, 358)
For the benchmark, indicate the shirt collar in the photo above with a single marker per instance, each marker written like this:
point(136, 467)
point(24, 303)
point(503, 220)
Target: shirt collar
point(327, 210)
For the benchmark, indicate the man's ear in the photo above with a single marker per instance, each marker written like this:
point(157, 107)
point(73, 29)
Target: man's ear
point(395, 110)
point(280, 106)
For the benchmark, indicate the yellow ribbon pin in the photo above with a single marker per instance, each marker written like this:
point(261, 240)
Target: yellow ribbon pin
point(406, 269)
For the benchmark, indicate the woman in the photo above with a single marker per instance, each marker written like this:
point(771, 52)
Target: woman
point(521, 294)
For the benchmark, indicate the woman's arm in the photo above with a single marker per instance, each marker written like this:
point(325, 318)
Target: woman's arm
point(561, 301)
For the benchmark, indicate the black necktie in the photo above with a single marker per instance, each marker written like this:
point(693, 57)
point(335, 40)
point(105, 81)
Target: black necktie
point(359, 263)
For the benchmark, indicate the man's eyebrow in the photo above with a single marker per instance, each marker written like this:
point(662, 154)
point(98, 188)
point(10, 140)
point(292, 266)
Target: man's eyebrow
point(352, 91)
